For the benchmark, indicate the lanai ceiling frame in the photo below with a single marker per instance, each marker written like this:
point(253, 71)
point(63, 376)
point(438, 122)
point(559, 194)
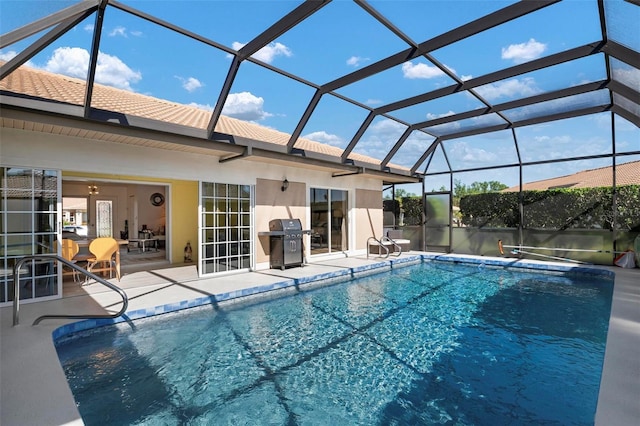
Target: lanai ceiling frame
point(383, 111)
point(626, 106)
point(488, 21)
point(606, 46)
point(63, 21)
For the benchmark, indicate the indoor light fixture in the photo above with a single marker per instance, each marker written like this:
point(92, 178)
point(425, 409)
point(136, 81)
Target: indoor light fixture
point(93, 190)
point(285, 185)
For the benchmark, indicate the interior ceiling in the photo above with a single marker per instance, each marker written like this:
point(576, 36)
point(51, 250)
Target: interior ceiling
point(616, 91)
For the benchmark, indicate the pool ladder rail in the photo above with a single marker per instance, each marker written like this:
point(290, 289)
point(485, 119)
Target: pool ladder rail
point(383, 244)
point(16, 281)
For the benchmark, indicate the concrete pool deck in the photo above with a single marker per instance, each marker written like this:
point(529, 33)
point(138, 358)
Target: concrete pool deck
point(34, 389)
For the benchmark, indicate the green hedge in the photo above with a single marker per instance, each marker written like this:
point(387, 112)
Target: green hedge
point(566, 208)
point(411, 206)
point(412, 210)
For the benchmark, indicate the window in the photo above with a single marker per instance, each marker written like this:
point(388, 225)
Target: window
point(104, 218)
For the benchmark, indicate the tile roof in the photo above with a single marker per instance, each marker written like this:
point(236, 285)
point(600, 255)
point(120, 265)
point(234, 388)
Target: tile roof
point(69, 90)
point(626, 174)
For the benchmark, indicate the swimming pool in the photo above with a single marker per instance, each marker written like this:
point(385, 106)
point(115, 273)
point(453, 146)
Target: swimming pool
point(423, 344)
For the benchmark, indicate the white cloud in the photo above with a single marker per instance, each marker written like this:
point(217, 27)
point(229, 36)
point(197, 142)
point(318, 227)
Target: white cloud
point(326, 138)
point(7, 56)
point(516, 87)
point(373, 102)
point(268, 53)
point(412, 148)
point(553, 140)
point(548, 148)
point(71, 61)
point(245, 106)
point(461, 151)
point(387, 127)
point(545, 147)
point(628, 76)
point(524, 52)
point(113, 72)
point(205, 107)
point(190, 84)
point(356, 61)
point(379, 138)
point(420, 70)
point(445, 128)
point(603, 121)
point(110, 70)
point(118, 31)
point(88, 27)
point(431, 116)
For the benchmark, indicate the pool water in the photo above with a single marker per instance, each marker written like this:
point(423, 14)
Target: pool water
point(434, 343)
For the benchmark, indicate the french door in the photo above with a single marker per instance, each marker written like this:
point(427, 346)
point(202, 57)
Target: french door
point(226, 224)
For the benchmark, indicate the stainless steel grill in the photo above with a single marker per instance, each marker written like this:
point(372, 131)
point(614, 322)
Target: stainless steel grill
point(285, 240)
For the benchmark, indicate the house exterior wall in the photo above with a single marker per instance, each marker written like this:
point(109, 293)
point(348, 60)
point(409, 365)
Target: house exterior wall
point(368, 211)
point(181, 172)
point(273, 203)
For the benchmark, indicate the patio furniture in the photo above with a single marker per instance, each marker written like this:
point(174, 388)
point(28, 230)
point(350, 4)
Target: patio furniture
point(142, 244)
point(106, 252)
point(70, 249)
point(396, 236)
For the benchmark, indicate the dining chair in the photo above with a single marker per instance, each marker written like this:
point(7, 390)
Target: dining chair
point(105, 251)
point(69, 251)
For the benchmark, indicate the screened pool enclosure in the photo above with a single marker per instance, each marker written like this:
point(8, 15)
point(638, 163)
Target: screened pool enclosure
point(483, 117)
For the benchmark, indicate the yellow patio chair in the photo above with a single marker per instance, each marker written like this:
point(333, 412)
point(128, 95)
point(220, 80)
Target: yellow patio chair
point(69, 250)
point(105, 251)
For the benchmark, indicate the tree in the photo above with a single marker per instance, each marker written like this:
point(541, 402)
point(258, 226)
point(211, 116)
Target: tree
point(460, 189)
point(400, 193)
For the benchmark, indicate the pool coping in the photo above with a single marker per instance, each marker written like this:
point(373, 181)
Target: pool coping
point(31, 372)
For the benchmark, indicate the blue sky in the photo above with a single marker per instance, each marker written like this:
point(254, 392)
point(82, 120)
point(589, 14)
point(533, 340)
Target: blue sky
point(142, 57)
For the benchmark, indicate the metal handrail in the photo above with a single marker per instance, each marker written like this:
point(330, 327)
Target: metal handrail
point(379, 244)
point(16, 292)
point(397, 247)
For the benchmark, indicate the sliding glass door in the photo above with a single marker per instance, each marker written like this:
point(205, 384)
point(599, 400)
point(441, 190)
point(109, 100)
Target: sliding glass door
point(329, 224)
point(29, 222)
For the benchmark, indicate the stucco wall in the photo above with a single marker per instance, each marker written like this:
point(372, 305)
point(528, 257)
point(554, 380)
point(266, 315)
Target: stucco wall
point(273, 203)
point(184, 218)
point(180, 172)
point(368, 211)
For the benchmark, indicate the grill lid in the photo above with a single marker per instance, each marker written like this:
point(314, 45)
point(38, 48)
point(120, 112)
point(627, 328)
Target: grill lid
point(285, 225)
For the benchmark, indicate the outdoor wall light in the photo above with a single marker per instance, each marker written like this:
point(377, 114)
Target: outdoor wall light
point(285, 185)
point(93, 190)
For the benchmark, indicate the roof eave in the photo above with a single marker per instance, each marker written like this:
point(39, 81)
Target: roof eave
point(225, 146)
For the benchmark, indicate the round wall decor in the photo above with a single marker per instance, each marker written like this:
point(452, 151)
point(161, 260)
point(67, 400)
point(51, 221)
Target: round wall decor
point(157, 199)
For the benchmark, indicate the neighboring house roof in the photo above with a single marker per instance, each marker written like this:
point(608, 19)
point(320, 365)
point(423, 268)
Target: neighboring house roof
point(48, 86)
point(626, 174)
